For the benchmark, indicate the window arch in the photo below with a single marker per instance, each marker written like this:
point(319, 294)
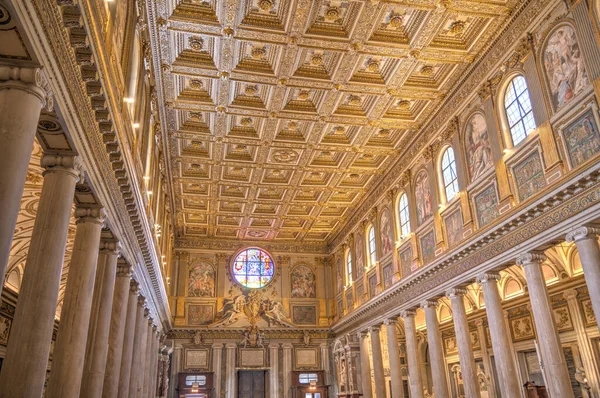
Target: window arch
point(372, 246)
point(519, 114)
point(449, 176)
point(349, 265)
point(404, 215)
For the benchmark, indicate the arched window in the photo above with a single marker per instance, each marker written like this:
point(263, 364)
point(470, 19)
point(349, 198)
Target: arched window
point(349, 266)
point(449, 174)
point(404, 215)
point(372, 247)
point(519, 114)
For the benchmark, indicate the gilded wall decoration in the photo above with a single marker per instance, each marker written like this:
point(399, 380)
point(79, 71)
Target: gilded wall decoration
point(200, 314)
point(588, 312)
point(359, 249)
point(477, 146)
point(5, 325)
point(360, 292)
point(428, 247)
point(340, 308)
point(252, 307)
point(349, 300)
point(529, 176)
point(304, 315)
point(388, 275)
point(201, 280)
point(339, 273)
point(486, 206)
point(423, 197)
point(562, 318)
point(303, 282)
point(387, 232)
point(564, 66)
point(450, 346)
point(453, 224)
point(373, 285)
point(406, 260)
point(521, 328)
point(582, 139)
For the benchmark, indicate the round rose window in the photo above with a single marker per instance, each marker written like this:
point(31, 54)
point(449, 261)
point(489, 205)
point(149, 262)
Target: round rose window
point(253, 268)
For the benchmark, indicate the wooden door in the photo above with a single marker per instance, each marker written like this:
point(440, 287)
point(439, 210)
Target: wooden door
point(251, 384)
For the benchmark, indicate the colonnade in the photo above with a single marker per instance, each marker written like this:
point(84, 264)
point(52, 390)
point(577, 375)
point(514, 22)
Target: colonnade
point(557, 378)
point(98, 349)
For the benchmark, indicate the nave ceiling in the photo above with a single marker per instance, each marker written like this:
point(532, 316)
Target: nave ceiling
point(281, 116)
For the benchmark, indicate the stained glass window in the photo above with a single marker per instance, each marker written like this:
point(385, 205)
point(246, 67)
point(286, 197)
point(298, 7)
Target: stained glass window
point(253, 268)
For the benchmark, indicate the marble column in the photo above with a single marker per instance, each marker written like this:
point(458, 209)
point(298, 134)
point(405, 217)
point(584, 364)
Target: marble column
point(586, 239)
point(436, 350)
point(555, 369)
point(325, 363)
point(154, 372)
point(31, 333)
point(21, 99)
point(463, 341)
point(116, 332)
point(415, 381)
point(99, 325)
point(128, 337)
point(146, 369)
point(287, 369)
point(391, 325)
point(485, 357)
point(274, 370)
point(230, 370)
point(139, 350)
point(377, 353)
point(505, 363)
point(69, 352)
point(217, 359)
point(365, 365)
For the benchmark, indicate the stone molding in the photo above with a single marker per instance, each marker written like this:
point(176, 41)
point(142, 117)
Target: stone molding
point(123, 269)
point(488, 277)
point(429, 304)
point(94, 214)
point(408, 314)
point(583, 233)
point(530, 258)
point(112, 246)
point(456, 292)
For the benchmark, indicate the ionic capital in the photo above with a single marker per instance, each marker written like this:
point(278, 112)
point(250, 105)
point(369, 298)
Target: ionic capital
point(408, 314)
point(61, 163)
point(146, 312)
point(375, 329)
point(455, 292)
point(530, 258)
point(429, 304)
point(582, 233)
point(123, 268)
point(134, 287)
point(488, 277)
point(141, 300)
point(111, 246)
point(570, 294)
point(150, 321)
point(27, 79)
point(390, 321)
point(363, 334)
point(94, 214)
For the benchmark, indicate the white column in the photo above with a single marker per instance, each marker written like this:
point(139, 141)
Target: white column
point(377, 353)
point(586, 239)
point(287, 369)
point(139, 352)
point(436, 350)
point(324, 363)
point(485, 356)
point(505, 363)
point(230, 391)
point(553, 358)
point(21, 100)
point(24, 367)
point(217, 359)
point(148, 359)
point(274, 370)
point(463, 341)
point(391, 325)
point(99, 325)
point(154, 363)
point(365, 366)
point(69, 352)
point(134, 302)
point(412, 355)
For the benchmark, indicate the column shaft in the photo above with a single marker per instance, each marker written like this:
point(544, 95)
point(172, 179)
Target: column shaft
point(118, 318)
point(139, 350)
point(553, 358)
point(129, 335)
point(412, 355)
point(217, 360)
point(20, 104)
point(274, 370)
point(99, 326)
point(69, 352)
point(586, 240)
point(436, 351)
point(230, 371)
point(463, 341)
point(505, 364)
point(394, 355)
point(29, 346)
point(287, 369)
point(148, 360)
point(154, 374)
point(365, 366)
point(377, 353)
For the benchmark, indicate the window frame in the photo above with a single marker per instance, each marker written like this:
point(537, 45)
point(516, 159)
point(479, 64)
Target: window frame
point(349, 266)
point(372, 245)
point(233, 262)
point(508, 128)
point(453, 170)
point(403, 210)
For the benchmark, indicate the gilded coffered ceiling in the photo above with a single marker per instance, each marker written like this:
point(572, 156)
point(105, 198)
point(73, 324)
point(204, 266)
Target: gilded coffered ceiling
point(282, 114)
